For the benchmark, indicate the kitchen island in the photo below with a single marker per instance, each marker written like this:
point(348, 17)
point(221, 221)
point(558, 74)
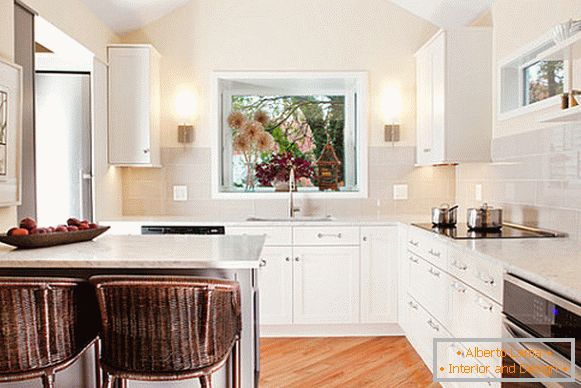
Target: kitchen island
point(229, 257)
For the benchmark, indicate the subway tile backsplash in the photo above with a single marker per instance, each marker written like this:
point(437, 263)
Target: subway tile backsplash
point(149, 191)
point(535, 176)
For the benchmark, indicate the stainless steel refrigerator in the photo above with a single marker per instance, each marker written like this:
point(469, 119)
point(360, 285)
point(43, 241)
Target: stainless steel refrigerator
point(64, 186)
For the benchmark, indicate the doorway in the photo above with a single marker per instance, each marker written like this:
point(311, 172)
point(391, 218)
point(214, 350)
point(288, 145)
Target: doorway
point(63, 146)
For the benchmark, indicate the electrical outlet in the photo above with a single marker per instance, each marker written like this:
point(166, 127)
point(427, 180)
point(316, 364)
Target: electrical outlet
point(180, 193)
point(478, 192)
point(400, 192)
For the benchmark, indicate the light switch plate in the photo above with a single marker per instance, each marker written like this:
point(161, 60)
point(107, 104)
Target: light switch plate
point(180, 193)
point(400, 192)
point(478, 192)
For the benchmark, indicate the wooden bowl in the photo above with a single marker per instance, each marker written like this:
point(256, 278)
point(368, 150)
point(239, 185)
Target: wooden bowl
point(52, 239)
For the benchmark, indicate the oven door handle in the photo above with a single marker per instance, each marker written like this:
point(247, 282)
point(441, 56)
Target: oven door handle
point(555, 359)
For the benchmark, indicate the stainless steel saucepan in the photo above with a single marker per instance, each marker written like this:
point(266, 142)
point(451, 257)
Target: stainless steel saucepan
point(445, 215)
point(484, 218)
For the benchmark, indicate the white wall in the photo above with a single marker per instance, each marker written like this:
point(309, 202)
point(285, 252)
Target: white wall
point(205, 36)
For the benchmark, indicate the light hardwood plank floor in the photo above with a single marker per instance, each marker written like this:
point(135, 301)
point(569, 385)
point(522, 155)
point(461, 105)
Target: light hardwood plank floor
point(341, 362)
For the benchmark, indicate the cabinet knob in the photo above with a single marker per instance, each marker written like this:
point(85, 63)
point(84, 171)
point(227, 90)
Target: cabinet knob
point(297, 258)
point(287, 258)
point(364, 238)
point(262, 263)
point(146, 150)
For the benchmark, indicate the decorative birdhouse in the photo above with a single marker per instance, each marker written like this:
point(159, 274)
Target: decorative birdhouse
point(328, 169)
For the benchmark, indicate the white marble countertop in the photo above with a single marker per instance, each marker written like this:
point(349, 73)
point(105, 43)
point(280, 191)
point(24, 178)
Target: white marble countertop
point(552, 263)
point(233, 221)
point(159, 252)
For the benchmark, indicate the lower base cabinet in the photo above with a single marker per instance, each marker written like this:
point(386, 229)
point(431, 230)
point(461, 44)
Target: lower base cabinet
point(276, 286)
point(326, 284)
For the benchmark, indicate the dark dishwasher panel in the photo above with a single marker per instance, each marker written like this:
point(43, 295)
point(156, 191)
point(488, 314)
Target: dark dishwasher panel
point(195, 229)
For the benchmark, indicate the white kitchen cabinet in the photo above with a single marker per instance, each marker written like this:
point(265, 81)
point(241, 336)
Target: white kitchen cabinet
point(429, 286)
point(276, 286)
point(454, 97)
point(326, 284)
point(134, 106)
point(379, 254)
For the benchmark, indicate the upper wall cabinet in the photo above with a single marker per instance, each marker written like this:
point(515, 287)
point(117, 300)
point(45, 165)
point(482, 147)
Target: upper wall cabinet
point(454, 97)
point(134, 90)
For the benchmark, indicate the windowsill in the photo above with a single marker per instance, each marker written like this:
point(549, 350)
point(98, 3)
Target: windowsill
point(311, 194)
point(535, 107)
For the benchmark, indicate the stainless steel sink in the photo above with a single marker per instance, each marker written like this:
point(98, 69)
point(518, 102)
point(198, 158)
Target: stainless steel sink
point(288, 219)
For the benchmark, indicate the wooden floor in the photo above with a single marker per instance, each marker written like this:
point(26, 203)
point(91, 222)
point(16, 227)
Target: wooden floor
point(342, 362)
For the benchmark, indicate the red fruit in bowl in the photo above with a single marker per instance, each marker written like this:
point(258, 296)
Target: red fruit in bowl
point(27, 223)
point(72, 228)
point(18, 232)
point(83, 226)
point(50, 229)
point(73, 221)
point(93, 226)
point(33, 231)
point(61, 228)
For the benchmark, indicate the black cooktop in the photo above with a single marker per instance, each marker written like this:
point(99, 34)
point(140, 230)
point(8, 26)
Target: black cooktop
point(461, 232)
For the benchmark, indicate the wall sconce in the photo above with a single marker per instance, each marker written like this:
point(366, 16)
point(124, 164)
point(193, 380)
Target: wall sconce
point(185, 109)
point(391, 107)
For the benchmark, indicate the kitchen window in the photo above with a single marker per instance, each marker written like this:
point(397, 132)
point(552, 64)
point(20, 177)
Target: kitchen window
point(532, 79)
point(542, 80)
point(270, 123)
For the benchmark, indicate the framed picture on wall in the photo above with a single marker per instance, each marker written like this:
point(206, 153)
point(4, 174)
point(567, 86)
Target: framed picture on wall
point(10, 132)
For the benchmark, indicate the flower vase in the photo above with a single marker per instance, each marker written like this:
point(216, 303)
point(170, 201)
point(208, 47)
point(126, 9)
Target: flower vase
point(250, 184)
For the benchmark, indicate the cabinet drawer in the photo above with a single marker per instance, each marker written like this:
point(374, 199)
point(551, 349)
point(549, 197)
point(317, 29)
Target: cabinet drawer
point(429, 286)
point(328, 235)
point(423, 328)
point(276, 235)
point(475, 316)
point(484, 276)
point(427, 247)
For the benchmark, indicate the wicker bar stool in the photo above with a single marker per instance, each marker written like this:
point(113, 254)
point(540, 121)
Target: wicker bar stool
point(45, 325)
point(161, 328)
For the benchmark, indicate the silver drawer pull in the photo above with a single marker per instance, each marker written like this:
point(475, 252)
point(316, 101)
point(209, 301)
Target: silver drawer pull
point(459, 265)
point(434, 272)
point(262, 262)
point(458, 287)
point(287, 258)
point(427, 149)
point(414, 243)
point(433, 325)
point(485, 279)
point(434, 253)
point(411, 258)
point(413, 305)
point(321, 235)
point(483, 304)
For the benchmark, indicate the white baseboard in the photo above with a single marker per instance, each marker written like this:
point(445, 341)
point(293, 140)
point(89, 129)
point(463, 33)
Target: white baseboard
point(332, 330)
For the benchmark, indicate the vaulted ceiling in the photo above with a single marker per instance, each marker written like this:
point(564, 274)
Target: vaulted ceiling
point(126, 15)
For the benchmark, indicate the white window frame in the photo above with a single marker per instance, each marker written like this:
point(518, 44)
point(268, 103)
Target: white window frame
point(218, 120)
point(519, 60)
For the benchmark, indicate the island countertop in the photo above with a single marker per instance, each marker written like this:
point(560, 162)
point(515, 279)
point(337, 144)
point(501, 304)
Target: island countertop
point(160, 252)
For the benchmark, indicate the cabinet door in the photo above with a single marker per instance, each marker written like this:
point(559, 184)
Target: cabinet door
point(129, 105)
point(379, 254)
point(326, 285)
point(275, 286)
point(424, 135)
point(430, 79)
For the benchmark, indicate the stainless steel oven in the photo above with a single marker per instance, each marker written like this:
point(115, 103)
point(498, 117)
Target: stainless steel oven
point(533, 312)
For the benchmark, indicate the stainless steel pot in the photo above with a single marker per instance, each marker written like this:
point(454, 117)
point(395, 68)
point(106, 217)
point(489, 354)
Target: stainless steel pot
point(444, 215)
point(484, 217)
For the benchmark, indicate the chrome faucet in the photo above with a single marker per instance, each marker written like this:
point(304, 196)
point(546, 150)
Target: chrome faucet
point(291, 188)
